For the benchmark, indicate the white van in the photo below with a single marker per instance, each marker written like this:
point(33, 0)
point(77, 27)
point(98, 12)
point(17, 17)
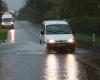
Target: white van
point(7, 21)
point(57, 34)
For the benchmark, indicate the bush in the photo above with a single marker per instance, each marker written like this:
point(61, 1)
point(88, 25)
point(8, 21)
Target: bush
point(87, 39)
point(87, 25)
point(3, 35)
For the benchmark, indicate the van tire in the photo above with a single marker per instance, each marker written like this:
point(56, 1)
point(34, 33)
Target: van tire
point(72, 50)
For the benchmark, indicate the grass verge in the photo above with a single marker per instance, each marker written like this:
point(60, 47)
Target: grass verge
point(87, 39)
point(3, 35)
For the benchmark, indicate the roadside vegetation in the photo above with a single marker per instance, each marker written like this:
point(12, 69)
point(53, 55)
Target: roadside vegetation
point(3, 35)
point(87, 39)
point(3, 32)
point(86, 24)
point(3, 7)
point(82, 15)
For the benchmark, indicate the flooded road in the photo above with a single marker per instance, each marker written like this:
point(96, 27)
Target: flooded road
point(23, 58)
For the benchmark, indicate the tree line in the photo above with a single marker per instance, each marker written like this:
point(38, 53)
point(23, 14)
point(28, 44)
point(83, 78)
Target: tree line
point(50, 9)
point(3, 8)
point(83, 15)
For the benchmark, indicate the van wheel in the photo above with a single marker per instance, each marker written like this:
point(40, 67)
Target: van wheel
point(72, 50)
point(12, 27)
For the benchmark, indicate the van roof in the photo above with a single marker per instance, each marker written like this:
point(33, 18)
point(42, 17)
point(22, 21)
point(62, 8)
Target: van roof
point(49, 22)
point(6, 16)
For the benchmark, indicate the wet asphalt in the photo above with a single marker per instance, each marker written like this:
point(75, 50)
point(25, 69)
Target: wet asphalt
point(23, 58)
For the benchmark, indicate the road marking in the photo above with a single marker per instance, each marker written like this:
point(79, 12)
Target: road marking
point(19, 53)
point(92, 65)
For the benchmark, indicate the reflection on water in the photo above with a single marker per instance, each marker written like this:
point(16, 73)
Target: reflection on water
point(12, 36)
point(61, 67)
point(51, 68)
point(71, 67)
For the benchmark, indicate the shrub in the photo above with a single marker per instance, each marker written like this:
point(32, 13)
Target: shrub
point(3, 35)
point(87, 25)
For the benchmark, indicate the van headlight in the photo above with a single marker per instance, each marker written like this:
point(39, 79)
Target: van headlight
point(51, 41)
point(12, 23)
point(71, 41)
point(3, 23)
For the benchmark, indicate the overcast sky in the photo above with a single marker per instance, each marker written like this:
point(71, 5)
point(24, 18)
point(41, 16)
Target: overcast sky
point(15, 4)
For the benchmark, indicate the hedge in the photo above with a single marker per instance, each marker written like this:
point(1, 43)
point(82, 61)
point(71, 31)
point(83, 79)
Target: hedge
point(87, 25)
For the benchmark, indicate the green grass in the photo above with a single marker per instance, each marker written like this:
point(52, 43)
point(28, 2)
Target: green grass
point(3, 35)
point(98, 41)
point(87, 39)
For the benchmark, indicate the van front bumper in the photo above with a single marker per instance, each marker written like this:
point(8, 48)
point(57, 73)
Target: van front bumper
point(68, 46)
point(8, 26)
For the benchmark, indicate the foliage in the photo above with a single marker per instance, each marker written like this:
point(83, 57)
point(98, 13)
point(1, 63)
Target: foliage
point(83, 15)
point(3, 35)
point(3, 7)
point(44, 9)
point(87, 39)
point(87, 24)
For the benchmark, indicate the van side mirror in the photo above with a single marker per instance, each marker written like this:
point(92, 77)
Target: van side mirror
point(42, 32)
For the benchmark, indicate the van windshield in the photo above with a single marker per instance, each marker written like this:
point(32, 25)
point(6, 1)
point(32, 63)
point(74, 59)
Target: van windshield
point(58, 29)
point(7, 20)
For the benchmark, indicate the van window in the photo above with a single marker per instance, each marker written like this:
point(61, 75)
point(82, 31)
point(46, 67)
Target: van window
point(7, 20)
point(58, 29)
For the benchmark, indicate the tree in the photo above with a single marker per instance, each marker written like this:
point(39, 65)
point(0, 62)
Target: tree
point(3, 8)
point(38, 10)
